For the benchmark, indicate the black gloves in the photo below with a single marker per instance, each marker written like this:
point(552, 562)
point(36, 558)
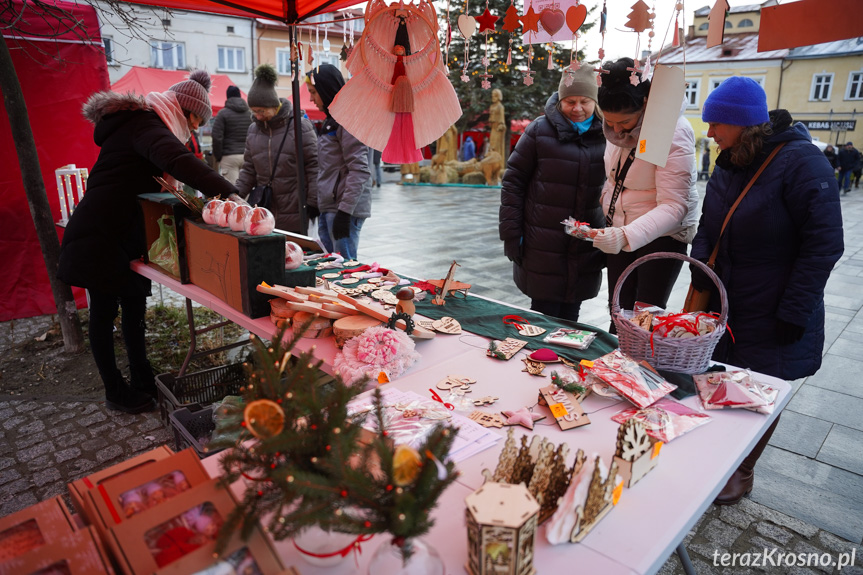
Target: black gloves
point(700, 280)
point(341, 225)
point(788, 333)
point(312, 212)
point(512, 250)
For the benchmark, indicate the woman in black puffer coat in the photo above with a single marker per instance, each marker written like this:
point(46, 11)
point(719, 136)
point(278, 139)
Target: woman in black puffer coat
point(556, 171)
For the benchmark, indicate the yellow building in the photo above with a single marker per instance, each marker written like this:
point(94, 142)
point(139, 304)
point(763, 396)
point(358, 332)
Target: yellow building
point(821, 85)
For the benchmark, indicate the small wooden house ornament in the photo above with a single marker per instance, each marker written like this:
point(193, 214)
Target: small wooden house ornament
point(636, 453)
point(501, 528)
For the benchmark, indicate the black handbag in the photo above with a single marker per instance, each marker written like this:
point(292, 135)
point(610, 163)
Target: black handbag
point(262, 195)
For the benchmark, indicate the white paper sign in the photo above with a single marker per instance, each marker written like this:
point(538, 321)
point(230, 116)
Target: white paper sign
point(667, 89)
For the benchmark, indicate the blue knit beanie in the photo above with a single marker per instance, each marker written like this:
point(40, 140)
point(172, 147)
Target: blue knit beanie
point(738, 101)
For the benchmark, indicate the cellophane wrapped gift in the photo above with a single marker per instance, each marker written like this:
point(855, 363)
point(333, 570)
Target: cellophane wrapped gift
point(635, 381)
point(664, 420)
point(735, 389)
point(575, 338)
point(577, 229)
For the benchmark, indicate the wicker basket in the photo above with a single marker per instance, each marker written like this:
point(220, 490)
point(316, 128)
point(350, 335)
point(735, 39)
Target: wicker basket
point(683, 355)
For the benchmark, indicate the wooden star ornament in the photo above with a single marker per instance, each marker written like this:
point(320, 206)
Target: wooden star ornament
point(487, 21)
point(522, 417)
point(530, 21)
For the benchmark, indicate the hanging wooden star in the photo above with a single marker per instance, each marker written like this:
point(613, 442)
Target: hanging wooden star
point(530, 21)
point(522, 417)
point(487, 21)
point(510, 20)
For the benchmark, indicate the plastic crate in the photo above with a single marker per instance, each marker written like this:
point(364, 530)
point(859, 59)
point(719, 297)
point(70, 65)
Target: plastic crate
point(191, 427)
point(201, 388)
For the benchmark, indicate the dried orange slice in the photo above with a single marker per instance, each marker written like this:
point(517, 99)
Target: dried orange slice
point(406, 465)
point(264, 418)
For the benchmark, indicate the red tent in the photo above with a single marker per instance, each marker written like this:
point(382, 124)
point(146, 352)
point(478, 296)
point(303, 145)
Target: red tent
point(56, 77)
point(145, 80)
point(287, 11)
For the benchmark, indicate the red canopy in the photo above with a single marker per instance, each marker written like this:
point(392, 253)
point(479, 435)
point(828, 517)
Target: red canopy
point(287, 11)
point(145, 80)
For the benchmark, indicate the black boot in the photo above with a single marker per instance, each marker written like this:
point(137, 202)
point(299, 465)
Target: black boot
point(142, 379)
point(120, 396)
point(741, 481)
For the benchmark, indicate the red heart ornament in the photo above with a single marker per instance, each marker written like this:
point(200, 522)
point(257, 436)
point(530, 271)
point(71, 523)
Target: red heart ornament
point(552, 20)
point(575, 17)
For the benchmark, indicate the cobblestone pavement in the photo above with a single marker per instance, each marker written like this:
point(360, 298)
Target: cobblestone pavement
point(808, 496)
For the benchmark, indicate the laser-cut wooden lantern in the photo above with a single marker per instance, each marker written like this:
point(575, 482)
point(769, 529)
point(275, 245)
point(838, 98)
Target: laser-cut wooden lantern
point(501, 526)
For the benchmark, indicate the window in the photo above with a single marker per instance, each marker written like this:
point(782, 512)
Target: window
point(821, 86)
point(166, 23)
point(704, 26)
point(283, 61)
point(167, 55)
point(231, 59)
point(714, 82)
point(108, 44)
point(692, 93)
point(855, 86)
point(728, 25)
point(230, 29)
point(746, 23)
point(326, 58)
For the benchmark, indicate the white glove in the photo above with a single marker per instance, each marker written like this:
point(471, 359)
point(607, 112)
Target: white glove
point(610, 240)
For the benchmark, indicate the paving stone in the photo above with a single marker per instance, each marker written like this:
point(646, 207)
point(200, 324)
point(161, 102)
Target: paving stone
point(69, 406)
point(150, 424)
point(35, 451)
point(67, 454)
point(121, 433)
point(26, 406)
point(138, 443)
point(109, 453)
point(52, 490)
point(852, 570)
point(839, 545)
point(40, 462)
point(671, 566)
point(71, 439)
point(721, 533)
point(93, 418)
point(833, 375)
point(13, 488)
point(800, 433)
point(62, 429)
point(44, 412)
point(734, 515)
point(774, 532)
point(703, 568)
point(8, 475)
point(64, 414)
point(759, 510)
point(46, 476)
point(815, 473)
point(80, 467)
point(829, 405)
point(91, 407)
point(18, 503)
point(14, 422)
point(107, 429)
point(32, 439)
point(6, 412)
point(705, 550)
point(842, 449)
point(6, 462)
point(94, 444)
point(803, 547)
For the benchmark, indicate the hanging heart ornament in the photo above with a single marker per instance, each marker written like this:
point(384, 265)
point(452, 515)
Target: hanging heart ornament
point(575, 17)
point(552, 20)
point(466, 25)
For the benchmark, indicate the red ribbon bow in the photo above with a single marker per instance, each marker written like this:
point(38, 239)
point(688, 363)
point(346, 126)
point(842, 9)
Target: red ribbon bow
point(352, 546)
point(514, 320)
point(436, 397)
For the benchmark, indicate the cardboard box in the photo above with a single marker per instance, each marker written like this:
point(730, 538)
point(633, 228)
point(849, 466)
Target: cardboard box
point(155, 206)
point(120, 498)
point(75, 553)
point(181, 537)
point(230, 265)
point(78, 489)
point(31, 529)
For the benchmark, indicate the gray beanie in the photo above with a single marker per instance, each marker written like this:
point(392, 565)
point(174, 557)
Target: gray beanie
point(192, 94)
point(263, 94)
point(582, 83)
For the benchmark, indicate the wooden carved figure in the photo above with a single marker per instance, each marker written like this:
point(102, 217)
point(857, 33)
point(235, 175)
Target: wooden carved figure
point(636, 452)
point(448, 286)
point(497, 126)
point(501, 527)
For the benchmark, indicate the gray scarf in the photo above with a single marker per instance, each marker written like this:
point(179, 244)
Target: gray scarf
point(627, 140)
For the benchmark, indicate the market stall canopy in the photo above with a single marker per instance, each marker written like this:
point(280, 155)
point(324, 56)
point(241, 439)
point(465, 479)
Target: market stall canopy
point(142, 81)
point(287, 11)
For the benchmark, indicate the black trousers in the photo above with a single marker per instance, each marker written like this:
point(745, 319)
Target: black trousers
point(650, 282)
point(104, 308)
point(563, 310)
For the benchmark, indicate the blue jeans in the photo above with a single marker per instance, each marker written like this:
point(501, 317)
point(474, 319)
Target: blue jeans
point(845, 180)
point(345, 246)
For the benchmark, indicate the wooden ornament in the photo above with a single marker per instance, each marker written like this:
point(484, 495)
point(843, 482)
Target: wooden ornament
point(351, 326)
point(487, 400)
point(466, 25)
point(529, 21)
point(350, 263)
point(523, 417)
point(552, 20)
point(455, 382)
point(448, 286)
point(636, 452)
point(511, 22)
point(318, 326)
point(486, 22)
point(639, 18)
point(358, 275)
point(279, 308)
point(575, 17)
point(332, 276)
point(505, 349)
point(486, 419)
point(531, 330)
point(533, 367)
point(349, 281)
point(375, 280)
point(385, 296)
point(564, 406)
point(602, 495)
point(379, 314)
point(425, 323)
point(447, 325)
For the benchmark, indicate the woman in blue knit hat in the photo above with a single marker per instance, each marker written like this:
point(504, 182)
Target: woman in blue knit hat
point(780, 244)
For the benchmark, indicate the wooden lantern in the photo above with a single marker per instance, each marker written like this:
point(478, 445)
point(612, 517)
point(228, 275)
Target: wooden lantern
point(501, 525)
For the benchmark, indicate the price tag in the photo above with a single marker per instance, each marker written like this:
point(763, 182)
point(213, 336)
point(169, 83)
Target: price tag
point(383, 378)
point(558, 410)
point(586, 363)
point(656, 447)
point(615, 495)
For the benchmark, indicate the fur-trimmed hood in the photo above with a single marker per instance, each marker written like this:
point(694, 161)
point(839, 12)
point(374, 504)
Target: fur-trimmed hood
point(102, 104)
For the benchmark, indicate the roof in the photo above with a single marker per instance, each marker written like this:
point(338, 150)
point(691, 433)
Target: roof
point(502, 504)
point(743, 47)
point(705, 10)
point(849, 47)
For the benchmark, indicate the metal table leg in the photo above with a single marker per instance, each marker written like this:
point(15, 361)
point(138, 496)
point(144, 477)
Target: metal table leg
point(683, 555)
point(193, 342)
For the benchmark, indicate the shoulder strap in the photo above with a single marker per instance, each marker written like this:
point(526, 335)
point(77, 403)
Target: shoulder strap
point(711, 262)
point(618, 186)
point(279, 153)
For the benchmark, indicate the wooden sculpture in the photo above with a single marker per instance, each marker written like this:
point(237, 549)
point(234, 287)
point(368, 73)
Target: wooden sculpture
point(448, 286)
point(636, 452)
